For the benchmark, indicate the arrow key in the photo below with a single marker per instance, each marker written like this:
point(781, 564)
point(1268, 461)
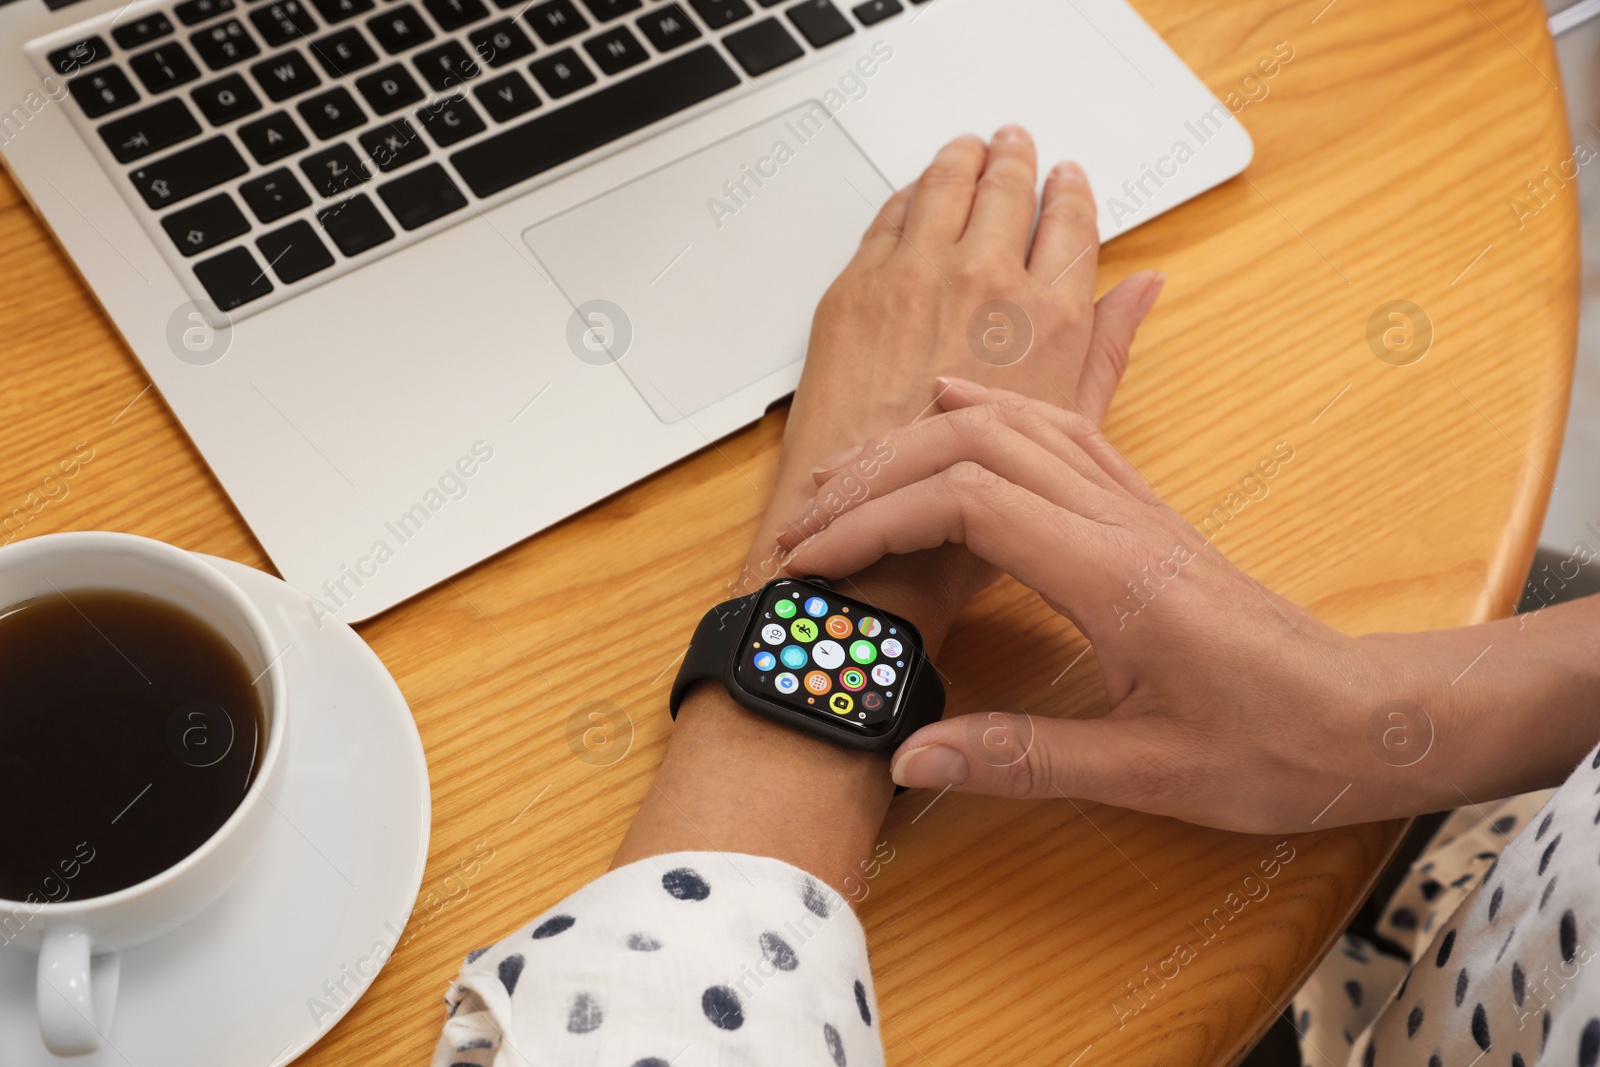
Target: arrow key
point(137, 135)
point(205, 225)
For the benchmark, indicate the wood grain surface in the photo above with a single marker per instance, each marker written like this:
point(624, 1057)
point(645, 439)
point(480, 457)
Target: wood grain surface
point(1390, 149)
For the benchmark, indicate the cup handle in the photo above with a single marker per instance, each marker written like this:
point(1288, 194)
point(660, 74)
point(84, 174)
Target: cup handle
point(66, 992)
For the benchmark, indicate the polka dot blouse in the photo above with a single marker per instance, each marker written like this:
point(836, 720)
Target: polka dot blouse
point(685, 959)
point(1487, 959)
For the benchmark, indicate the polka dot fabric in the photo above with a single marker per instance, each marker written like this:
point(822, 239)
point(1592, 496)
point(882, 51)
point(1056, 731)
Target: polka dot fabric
point(695, 958)
point(1501, 917)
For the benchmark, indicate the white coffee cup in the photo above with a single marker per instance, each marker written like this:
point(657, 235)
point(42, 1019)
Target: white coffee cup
point(78, 940)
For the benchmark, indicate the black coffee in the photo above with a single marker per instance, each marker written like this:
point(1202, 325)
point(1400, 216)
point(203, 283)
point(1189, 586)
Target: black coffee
point(129, 732)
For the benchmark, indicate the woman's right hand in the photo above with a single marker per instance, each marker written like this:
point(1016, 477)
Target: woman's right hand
point(1230, 706)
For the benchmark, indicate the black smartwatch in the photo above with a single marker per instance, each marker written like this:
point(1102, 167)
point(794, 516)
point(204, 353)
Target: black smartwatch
point(799, 653)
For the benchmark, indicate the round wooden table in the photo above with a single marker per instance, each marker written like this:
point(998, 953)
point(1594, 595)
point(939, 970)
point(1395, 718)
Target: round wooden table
point(1392, 152)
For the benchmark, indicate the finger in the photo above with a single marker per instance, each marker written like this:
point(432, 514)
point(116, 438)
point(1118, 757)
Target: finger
point(1041, 460)
point(960, 393)
point(885, 231)
point(1109, 761)
point(1037, 543)
point(1066, 246)
point(1116, 319)
point(942, 197)
point(1002, 210)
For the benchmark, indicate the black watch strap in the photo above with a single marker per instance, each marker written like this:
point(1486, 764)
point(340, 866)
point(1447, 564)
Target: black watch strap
point(711, 647)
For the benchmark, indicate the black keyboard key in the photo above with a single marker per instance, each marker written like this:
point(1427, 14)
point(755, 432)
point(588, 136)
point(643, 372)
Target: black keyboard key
point(344, 52)
point(561, 73)
point(566, 133)
point(233, 278)
point(271, 138)
point(389, 89)
point(500, 42)
point(164, 67)
point(139, 134)
point(334, 170)
point(294, 252)
point(762, 47)
point(876, 11)
point(331, 113)
point(286, 74)
point(422, 196)
point(339, 10)
point(74, 57)
point(400, 28)
point(454, 14)
point(446, 66)
point(393, 145)
point(820, 22)
point(616, 50)
point(668, 27)
point(192, 12)
point(224, 44)
point(104, 92)
point(142, 31)
point(193, 170)
point(719, 13)
point(355, 225)
point(556, 20)
point(274, 195)
point(450, 121)
point(507, 96)
point(205, 225)
point(283, 21)
point(606, 10)
point(229, 97)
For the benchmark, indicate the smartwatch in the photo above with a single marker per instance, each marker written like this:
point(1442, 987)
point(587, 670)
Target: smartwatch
point(801, 654)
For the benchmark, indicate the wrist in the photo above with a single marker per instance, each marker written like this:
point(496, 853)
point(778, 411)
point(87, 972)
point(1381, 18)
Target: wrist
point(736, 782)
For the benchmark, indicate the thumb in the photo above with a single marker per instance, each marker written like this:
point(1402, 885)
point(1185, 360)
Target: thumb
point(1116, 319)
point(1020, 755)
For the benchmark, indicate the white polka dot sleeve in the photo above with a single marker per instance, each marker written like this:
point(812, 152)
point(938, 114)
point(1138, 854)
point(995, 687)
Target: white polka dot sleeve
point(688, 959)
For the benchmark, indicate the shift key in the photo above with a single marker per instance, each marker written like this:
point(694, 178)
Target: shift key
point(193, 170)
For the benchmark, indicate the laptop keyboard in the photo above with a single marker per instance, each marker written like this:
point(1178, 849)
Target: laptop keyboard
point(270, 145)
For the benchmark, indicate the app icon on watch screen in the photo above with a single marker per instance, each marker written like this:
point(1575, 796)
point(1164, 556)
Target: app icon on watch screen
point(871, 701)
point(803, 630)
point(816, 607)
point(772, 634)
point(840, 703)
point(852, 679)
point(891, 647)
point(784, 609)
point(838, 626)
point(818, 683)
point(765, 661)
point(794, 657)
point(786, 682)
point(863, 651)
point(828, 654)
point(883, 674)
point(870, 627)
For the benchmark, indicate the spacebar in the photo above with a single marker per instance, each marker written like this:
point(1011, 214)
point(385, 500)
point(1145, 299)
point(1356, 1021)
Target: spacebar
point(600, 118)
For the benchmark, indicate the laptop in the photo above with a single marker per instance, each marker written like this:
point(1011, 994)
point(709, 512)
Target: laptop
point(423, 277)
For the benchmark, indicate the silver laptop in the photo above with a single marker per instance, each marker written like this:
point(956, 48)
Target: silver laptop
point(422, 277)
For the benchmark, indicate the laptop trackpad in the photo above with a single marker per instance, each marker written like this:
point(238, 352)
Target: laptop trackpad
point(715, 262)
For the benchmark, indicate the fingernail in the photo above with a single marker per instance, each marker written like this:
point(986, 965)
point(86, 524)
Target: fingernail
point(1067, 169)
point(930, 767)
point(1152, 290)
point(1011, 132)
point(837, 460)
point(946, 383)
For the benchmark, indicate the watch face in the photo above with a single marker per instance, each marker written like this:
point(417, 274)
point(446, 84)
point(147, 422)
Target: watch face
point(827, 656)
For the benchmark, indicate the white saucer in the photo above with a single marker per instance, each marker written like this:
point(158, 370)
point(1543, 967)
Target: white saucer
point(328, 894)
